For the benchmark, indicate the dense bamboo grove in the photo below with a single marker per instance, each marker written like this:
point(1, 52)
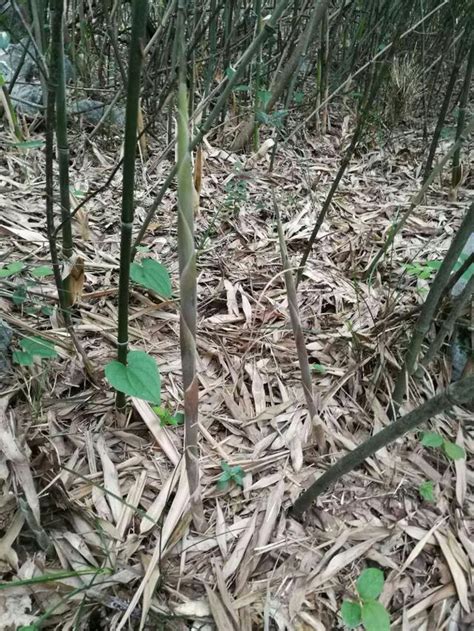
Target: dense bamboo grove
point(200, 167)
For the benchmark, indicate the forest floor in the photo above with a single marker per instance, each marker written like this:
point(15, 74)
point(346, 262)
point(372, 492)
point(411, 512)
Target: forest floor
point(106, 495)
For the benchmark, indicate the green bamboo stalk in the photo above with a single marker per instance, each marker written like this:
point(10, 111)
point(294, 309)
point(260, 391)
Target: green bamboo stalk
point(57, 51)
point(139, 15)
point(306, 379)
point(187, 283)
point(458, 393)
point(428, 310)
point(244, 61)
point(51, 100)
point(444, 109)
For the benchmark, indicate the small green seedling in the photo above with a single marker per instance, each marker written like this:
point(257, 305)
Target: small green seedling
point(322, 370)
point(367, 610)
point(452, 450)
point(166, 418)
point(32, 348)
point(420, 270)
point(426, 491)
point(230, 474)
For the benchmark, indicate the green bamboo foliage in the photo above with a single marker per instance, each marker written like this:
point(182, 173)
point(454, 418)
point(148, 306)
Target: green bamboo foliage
point(139, 15)
point(187, 283)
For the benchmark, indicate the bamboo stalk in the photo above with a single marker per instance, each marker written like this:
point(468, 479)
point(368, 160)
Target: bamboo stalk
point(57, 51)
point(187, 283)
point(306, 379)
point(139, 15)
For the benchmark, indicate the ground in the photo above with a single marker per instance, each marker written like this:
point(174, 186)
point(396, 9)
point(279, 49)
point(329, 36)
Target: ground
point(84, 487)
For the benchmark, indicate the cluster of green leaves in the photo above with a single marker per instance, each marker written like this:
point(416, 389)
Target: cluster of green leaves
point(21, 296)
point(452, 450)
point(33, 348)
point(424, 271)
point(166, 418)
point(367, 610)
point(236, 194)
point(230, 474)
point(275, 119)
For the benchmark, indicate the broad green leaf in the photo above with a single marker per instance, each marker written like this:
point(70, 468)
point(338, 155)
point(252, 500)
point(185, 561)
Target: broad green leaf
point(370, 583)
point(223, 481)
point(241, 88)
point(47, 310)
point(453, 451)
point(298, 97)
point(139, 378)
point(19, 295)
point(426, 491)
point(319, 368)
point(263, 118)
point(22, 358)
point(179, 416)
point(166, 418)
point(229, 72)
point(4, 39)
point(237, 474)
point(27, 144)
point(375, 617)
point(41, 271)
point(264, 96)
point(38, 346)
point(431, 439)
point(152, 275)
point(11, 269)
point(143, 248)
point(351, 613)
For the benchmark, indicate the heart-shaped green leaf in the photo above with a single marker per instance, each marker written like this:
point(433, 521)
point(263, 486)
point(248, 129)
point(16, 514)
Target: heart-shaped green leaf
point(453, 451)
point(370, 584)
point(431, 439)
point(426, 490)
point(152, 275)
point(41, 271)
point(38, 346)
point(22, 358)
point(11, 269)
point(139, 378)
point(351, 613)
point(375, 617)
